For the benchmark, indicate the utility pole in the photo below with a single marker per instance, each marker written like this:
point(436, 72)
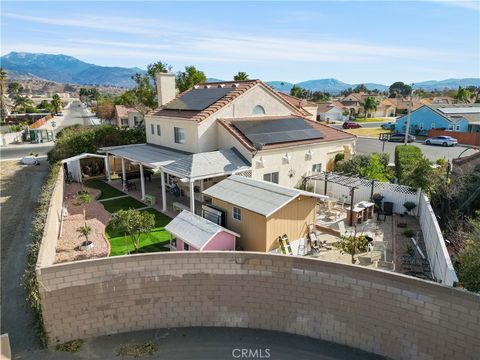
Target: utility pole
point(408, 116)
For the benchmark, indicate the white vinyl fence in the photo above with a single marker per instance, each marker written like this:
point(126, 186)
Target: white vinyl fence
point(440, 262)
point(439, 259)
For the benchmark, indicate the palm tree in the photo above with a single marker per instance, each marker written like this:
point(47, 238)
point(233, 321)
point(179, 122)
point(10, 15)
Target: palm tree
point(85, 230)
point(56, 103)
point(3, 105)
point(241, 75)
point(463, 95)
point(22, 102)
point(369, 105)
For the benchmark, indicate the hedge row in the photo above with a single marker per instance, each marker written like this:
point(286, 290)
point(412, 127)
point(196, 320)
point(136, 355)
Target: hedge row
point(29, 278)
point(406, 157)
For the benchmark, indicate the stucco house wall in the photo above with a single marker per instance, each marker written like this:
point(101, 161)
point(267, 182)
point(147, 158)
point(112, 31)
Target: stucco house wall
point(334, 114)
point(167, 137)
point(426, 119)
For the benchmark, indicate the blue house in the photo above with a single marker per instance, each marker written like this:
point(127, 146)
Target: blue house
point(444, 117)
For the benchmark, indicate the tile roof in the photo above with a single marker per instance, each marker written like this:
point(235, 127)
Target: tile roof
point(194, 229)
point(238, 88)
point(322, 108)
point(297, 102)
point(122, 111)
point(330, 133)
point(259, 196)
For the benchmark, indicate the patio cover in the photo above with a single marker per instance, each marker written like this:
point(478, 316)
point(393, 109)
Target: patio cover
point(194, 230)
point(73, 164)
point(208, 164)
point(146, 154)
point(261, 197)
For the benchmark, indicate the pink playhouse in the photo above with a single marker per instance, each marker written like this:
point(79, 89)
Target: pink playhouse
point(194, 233)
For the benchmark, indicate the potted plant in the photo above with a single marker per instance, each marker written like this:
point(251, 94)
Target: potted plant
point(85, 230)
point(409, 206)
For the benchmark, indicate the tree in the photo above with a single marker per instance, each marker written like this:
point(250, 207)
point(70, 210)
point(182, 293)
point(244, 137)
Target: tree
point(469, 258)
point(3, 105)
point(83, 94)
point(105, 108)
point(85, 230)
point(56, 103)
point(190, 77)
point(158, 67)
point(399, 89)
point(23, 103)
point(376, 169)
point(463, 95)
point(14, 90)
point(240, 76)
point(143, 94)
point(296, 91)
point(45, 105)
point(134, 223)
point(361, 88)
point(370, 104)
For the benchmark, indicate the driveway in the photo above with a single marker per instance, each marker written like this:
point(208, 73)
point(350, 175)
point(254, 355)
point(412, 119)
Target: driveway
point(19, 188)
point(211, 344)
point(369, 145)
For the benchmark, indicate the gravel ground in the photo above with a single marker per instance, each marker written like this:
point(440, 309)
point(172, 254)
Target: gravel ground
point(19, 188)
point(96, 217)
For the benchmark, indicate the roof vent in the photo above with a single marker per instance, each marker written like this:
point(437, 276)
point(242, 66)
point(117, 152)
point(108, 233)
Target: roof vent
point(235, 85)
point(206, 86)
point(221, 85)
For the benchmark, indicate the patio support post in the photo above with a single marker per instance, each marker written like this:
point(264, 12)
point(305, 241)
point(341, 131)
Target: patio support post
point(142, 181)
point(192, 197)
point(201, 191)
point(107, 168)
point(164, 193)
point(124, 176)
point(352, 194)
point(371, 191)
point(326, 183)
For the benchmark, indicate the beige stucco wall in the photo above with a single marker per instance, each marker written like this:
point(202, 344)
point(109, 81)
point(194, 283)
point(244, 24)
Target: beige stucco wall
point(252, 228)
point(292, 219)
point(389, 314)
point(299, 162)
point(167, 137)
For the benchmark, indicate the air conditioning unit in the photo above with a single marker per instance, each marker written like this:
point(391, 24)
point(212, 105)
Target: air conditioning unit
point(214, 214)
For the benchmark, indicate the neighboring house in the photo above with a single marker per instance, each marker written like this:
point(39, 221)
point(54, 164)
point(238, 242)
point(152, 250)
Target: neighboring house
point(460, 117)
point(261, 212)
point(308, 108)
point(401, 105)
point(126, 117)
point(330, 112)
point(194, 233)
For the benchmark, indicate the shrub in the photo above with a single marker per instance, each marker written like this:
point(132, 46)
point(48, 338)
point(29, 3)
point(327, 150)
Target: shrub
point(406, 157)
point(70, 346)
point(409, 233)
point(138, 350)
point(29, 278)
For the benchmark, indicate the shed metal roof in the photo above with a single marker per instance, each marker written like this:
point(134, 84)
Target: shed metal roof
point(259, 196)
point(208, 164)
point(194, 229)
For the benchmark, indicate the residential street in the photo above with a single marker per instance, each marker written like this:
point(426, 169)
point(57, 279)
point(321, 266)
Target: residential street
point(75, 114)
point(369, 145)
point(19, 187)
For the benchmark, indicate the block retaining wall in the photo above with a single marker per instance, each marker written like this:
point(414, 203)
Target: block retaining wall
point(380, 312)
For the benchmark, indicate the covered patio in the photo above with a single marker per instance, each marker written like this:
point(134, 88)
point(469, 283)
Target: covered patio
point(178, 178)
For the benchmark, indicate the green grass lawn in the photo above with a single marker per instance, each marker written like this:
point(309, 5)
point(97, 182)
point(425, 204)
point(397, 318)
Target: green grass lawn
point(150, 242)
point(107, 190)
point(378, 119)
point(124, 203)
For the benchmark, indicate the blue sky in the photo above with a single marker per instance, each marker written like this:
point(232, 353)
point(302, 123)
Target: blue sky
point(374, 41)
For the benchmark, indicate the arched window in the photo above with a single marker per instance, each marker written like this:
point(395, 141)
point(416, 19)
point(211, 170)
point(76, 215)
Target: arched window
point(258, 110)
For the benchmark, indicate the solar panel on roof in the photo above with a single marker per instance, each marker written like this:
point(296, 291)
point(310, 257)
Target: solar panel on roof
point(277, 131)
point(198, 99)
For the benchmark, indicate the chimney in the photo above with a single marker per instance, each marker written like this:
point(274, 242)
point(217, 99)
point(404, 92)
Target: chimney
point(165, 87)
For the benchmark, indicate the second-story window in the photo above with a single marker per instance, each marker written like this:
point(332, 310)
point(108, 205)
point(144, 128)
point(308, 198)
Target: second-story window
point(158, 130)
point(237, 213)
point(179, 135)
point(152, 129)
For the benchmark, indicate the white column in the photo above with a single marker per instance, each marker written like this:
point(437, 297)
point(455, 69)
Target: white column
point(107, 168)
point(164, 193)
point(192, 197)
point(124, 176)
point(201, 191)
point(142, 182)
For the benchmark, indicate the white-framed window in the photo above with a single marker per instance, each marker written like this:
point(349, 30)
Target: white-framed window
point(420, 126)
point(179, 134)
point(159, 132)
point(457, 127)
point(237, 213)
point(271, 177)
point(152, 129)
point(136, 121)
point(186, 247)
point(124, 122)
point(258, 110)
point(450, 127)
point(317, 168)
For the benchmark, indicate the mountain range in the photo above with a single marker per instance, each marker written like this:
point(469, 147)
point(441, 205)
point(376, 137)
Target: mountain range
point(67, 69)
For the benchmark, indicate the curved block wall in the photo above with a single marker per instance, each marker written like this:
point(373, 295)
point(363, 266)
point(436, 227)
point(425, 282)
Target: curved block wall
point(380, 312)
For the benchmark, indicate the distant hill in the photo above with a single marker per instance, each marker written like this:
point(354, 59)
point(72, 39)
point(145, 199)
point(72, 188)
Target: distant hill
point(67, 69)
point(281, 85)
point(446, 84)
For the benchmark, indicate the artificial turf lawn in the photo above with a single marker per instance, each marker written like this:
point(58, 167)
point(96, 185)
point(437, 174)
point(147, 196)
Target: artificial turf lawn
point(149, 242)
point(107, 190)
point(123, 203)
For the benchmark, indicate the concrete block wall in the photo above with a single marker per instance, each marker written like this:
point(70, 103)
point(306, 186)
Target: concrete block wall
point(380, 312)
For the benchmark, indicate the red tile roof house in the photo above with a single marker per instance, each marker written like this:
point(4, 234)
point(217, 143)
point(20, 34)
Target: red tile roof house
point(331, 112)
point(217, 129)
point(127, 117)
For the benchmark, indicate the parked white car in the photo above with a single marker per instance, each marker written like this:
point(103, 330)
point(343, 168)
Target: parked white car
point(442, 140)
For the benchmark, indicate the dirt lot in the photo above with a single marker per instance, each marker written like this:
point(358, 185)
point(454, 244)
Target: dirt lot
point(19, 187)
